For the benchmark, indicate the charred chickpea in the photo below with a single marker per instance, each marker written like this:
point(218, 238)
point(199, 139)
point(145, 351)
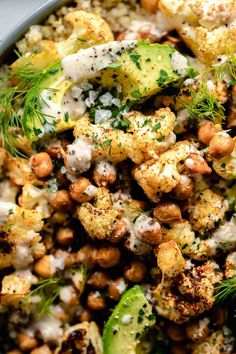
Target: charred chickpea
point(184, 188)
point(104, 174)
point(198, 331)
point(41, 164)
point(221, 145)
point(150, 5)
point(167, 212)
point(26, 342)
point(98, 279)
point(59, 217)
point(96, 301)
point(87, 256)
point(219, 316)
point(82, 190)
point(176, 332)
point(44, 349)
point(206, 132)
point(43, 267)
point(116, 288)
point(135, 272)
point(195, 163)
point(86, 315)
point(62, 201)
point(108, 256)
point(119, 232)
point(65, 236)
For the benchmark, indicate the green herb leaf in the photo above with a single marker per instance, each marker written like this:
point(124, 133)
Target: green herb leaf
point(113, 65)
point(135, 58)
point(136, 94)
point(156, 127)
point(162, 78)
point(107, 143)
point(191, 72)
point(226, 291)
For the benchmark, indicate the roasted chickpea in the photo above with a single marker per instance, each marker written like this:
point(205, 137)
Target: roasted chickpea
point(108, 256)
point(26, 342)
point(42, 165)
point(115, 288)
point(139, 204)
point(15, 351)
point(98, 279)
point(176, 332)
point(43, 267)
point(96, 301)
point(86, 315)
point(62, 201)
point(150, 5)
point(195, 163)
point(184, 188)
point(221, 145)
point(87, 256)
point(65, 236)
point(167, 212)
point(82, 190)
point(206, 132)
point(135, 272)
point(147, 230)
point(219, 316)
point(61, 179)
point(120, 230)
point(44, 349)
point(198, 331)
point(104, 174)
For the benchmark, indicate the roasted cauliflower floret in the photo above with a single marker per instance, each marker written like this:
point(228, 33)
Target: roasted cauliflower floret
point(216, 343)
point(207, 27)
point(20, 240)
point(14, 288)
point(187, 295)
point(99, 220)
point(88, 29)
point(184, 236)
point(35, 198)
point(83, 338)
point(230, 265)
point(19, 170)
point(225, 167)
point(161, 176)
point(151, 135)
point(206, 211)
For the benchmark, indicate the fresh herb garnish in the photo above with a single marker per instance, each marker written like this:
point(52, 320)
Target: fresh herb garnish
point(226, 291)
point(191, 72)
point(136, 94)
point(162, 78)
point(156, 127)
point(135, 58)
point(107, 143)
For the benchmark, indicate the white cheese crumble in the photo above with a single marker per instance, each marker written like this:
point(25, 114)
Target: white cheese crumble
point(105, 168)
point(6, 209)
point(179, 63)
point(66, 294)
point(49, 328)
point(86, 63)
point(102, 115)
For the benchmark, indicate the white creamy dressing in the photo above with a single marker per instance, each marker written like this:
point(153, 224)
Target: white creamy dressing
point(49, 328)
point(90, 191)
point(6, 209)
point(132, 242)
point(22, 256)
point(121, 286)
point(224, 238)
point(8, 191)
point(58, 261)
point(126, 319)
point(66, 294)
point(105, 168)
point(27, 275)
point(78, 158)
point(86, 63)
point(144, 224)
point(179, 63)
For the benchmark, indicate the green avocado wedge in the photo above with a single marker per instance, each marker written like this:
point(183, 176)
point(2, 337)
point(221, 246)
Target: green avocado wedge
point(130, 320)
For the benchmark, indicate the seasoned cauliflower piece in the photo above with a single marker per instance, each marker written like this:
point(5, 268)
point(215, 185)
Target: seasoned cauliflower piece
point(184, 236)
point(19, 170)
point(20, 240)
point(226, 166)
point(83, 337)
point(208, 27)
point(206, 210)
point(151, 135)
point(8, 191)
point(161, 176)
point(170, 259)
point(14, 288)
point(216, 343)
point(230, 265)
point(88, 29)
point(34, 198)
point(223, 238)
point(99, 220)
point(196, 294)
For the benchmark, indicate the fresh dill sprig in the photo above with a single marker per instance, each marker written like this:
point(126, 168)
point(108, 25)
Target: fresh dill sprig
point(204, 105)
point(21, 101)
point(226, 291)
point(48, 290)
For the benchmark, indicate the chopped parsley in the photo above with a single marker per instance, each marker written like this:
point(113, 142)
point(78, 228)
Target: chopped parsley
point(136, 94)
point(107, 143)
point(191, 72)
point(162, 78)
point(156, 127)
point(135, 58)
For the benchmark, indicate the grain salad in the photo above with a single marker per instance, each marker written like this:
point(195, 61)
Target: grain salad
point(117, 181)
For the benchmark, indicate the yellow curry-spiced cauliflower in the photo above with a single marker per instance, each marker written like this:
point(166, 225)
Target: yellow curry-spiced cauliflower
point(117, 180)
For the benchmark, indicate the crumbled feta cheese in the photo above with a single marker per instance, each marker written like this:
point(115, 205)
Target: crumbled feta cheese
point(102, 115)
point(179, 63)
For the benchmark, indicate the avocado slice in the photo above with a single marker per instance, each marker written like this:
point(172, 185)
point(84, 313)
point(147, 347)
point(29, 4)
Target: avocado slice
point(48, 91)
point(128, 323)
point(142, 71)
